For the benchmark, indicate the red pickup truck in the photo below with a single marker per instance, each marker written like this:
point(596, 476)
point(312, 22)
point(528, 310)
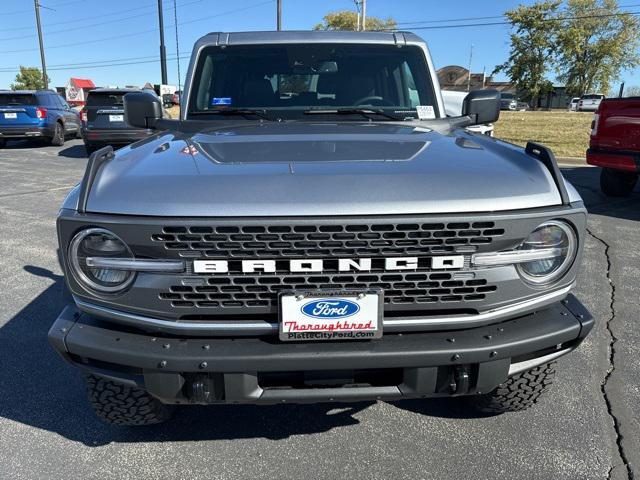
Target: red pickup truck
point(615, 144)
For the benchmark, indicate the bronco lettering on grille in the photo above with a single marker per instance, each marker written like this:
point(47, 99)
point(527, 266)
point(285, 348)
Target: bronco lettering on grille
point(441, 262)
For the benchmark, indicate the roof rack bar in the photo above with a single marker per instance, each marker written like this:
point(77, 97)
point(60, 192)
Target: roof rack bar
point(96, 159)
point(548, 159)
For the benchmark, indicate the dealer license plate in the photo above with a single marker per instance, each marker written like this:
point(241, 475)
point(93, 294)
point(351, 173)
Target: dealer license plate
point(10, 115)
point(330, 316)
point(116, 118)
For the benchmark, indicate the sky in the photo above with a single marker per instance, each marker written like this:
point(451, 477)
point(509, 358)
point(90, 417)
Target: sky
point(82, 37)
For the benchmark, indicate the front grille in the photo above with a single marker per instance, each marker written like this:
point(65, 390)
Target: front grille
point(262, 291)
point(313, 241)
point(258, 292)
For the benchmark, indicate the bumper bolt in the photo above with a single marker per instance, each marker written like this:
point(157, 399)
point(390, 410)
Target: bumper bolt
point(206, 347)
point(456, 357)
point(360, 296)
point(493, 354)
point(166, 345)
point(203, 365)
point(451, 340)
point(163, 364)
point(488, 337)
point(500, 329)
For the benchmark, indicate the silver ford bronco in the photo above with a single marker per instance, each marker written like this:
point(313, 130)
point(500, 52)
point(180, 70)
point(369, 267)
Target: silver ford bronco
point(314, 228)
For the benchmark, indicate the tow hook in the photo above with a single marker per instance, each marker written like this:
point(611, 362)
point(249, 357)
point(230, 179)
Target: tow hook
point(459, 383)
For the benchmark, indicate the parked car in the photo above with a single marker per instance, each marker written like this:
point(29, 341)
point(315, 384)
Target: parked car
point(508, 101)
point(39, 114)
point(573, 104)
point(615, 144)
point(176, 97)
point(590, 102)
point(103, 120)
point(304, 233)
point(453, 105)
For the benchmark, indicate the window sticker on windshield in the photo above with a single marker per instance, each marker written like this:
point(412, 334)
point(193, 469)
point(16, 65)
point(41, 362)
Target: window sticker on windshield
point(221, 101)
point(425, 112)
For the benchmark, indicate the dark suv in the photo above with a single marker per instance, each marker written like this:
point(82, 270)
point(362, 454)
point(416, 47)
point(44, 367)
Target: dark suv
point(36, 114)
point(103, 120)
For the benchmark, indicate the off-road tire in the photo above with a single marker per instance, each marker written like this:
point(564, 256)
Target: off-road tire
point(518, 393)
point(615, 183)
point(120, 404)
point(58, 135)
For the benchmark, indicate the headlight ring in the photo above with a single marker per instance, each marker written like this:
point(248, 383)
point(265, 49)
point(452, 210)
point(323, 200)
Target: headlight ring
point(99, 242)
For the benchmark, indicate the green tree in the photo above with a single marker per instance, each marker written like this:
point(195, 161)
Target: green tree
point(348, 20)
point(29, 78)
point(596, 43)
point(532, 47)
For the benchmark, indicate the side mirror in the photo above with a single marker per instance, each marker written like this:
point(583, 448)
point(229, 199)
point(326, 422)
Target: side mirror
point(142, 109)
point(483, 106)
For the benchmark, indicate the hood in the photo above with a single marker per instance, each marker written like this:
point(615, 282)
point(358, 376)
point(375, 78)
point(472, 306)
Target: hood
point(317, 169)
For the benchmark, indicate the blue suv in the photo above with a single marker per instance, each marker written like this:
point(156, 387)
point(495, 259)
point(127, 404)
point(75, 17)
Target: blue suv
point(37, 114)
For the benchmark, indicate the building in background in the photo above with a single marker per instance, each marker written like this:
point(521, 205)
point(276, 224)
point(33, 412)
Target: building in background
point(455, 77)
point(76, 91)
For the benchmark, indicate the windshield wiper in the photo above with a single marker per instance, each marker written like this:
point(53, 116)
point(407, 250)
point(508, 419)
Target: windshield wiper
point(258, 112)
point(367, 112)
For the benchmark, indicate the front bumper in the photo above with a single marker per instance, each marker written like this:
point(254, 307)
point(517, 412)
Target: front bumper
point(25, 131)
point(264, 370)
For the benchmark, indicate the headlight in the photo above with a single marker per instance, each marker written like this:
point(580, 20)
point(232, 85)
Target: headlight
point(100, 243)
point(555, 237)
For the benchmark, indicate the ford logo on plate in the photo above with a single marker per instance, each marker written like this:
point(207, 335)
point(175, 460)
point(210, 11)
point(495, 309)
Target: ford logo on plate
point(330, 308)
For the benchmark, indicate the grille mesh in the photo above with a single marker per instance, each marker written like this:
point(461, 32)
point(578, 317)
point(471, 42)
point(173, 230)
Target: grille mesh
point(262, 291)
point(311, 241)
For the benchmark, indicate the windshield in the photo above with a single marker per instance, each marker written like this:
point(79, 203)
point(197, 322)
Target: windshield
point(507, 96)
point(292, 79)
point(17, 99)
point(592, 97)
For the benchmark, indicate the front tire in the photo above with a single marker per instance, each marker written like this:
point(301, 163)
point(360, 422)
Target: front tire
point(615, 183)
point(120, 404)
point(58, 135)
point(519, 392)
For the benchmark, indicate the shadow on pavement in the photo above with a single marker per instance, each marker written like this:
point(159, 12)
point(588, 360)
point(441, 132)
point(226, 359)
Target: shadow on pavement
point(37, 388)
point(75, 151)
point(586, 181)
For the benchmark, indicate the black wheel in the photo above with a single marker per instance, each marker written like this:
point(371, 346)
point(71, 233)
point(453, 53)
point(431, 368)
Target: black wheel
point(615, 183)
point(120, 404)
point(58, 135)
point(518, 393)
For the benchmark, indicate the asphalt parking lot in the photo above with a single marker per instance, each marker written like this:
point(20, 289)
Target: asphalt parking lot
point(587, 427)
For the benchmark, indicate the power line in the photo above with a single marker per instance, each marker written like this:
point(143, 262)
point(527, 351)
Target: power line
point(422, 22)
point(141, 32)
point(490, 24)
point(93, 17)
point(90, 25)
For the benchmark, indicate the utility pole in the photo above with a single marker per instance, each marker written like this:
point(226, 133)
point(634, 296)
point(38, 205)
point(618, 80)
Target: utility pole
point(279, 16)
point(163, 51)
point(621, 92)
point(364, 14)
point(44, 65)
point(469, 79)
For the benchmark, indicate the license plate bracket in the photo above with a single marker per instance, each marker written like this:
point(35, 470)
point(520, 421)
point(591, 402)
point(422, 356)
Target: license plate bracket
point(330, 315)
point(10, 115)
